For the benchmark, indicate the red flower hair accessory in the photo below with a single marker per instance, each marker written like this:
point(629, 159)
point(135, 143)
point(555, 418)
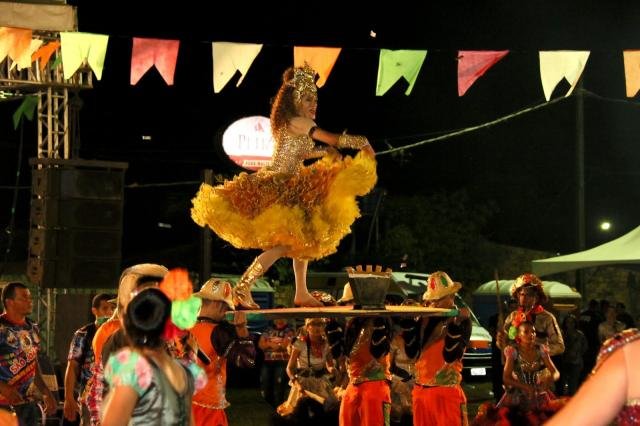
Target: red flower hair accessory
point(184, 307)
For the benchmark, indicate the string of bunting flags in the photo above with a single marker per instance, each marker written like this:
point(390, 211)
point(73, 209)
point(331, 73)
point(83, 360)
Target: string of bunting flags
point(78, 48)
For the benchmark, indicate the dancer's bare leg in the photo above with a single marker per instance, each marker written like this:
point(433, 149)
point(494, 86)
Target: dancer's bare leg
point(242, 290)
point(268, 257)
point(302, 296)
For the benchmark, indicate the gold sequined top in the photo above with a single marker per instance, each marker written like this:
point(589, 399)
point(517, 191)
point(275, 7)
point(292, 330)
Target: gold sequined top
point(291, 150)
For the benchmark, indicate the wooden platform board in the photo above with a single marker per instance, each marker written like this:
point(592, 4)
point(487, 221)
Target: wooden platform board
point(346, 311)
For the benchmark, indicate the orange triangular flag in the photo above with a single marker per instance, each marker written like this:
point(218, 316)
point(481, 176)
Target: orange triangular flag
point(14, 42)
point(147, 52)
point(632, 71)
point(44, 53)
point(321, 59)
point(473, 64)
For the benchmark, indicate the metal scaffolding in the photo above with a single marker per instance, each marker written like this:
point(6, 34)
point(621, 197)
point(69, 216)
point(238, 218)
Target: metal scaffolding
point(47, 82)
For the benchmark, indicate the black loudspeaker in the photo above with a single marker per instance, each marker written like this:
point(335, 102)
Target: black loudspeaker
point(76, 223)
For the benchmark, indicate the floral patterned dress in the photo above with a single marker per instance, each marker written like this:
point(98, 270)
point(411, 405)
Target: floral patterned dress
point(158, 402)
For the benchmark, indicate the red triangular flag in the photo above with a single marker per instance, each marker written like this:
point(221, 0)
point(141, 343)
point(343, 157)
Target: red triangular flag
point(472, 64)
point(147, 52)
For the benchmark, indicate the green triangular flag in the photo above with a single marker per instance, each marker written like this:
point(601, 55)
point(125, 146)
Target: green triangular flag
point(26, 108)
point(394, 64)
point(57, 62)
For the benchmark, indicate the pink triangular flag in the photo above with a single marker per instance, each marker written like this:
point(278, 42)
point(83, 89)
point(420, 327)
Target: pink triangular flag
point(147, 52)
point(472, 64)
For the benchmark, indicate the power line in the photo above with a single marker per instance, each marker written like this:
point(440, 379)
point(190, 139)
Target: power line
point(472, 128)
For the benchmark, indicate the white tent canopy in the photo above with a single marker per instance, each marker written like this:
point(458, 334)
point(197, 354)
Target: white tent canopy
point(553, 289)
point(623, 250)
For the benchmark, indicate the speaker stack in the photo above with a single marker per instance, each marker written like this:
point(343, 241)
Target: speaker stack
point(76, 223)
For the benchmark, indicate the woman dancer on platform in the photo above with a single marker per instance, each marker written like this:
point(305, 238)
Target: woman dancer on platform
point(289, 209)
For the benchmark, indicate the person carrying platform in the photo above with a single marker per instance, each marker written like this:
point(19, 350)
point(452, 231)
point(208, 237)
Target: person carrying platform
point(219, 341)
point(439, 343)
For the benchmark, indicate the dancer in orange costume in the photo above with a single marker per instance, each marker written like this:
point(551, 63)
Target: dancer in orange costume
point(218, 340)
point(439, 343)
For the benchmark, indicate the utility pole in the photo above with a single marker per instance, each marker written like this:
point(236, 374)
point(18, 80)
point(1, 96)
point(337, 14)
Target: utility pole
point(580, 185)
point(205, 238)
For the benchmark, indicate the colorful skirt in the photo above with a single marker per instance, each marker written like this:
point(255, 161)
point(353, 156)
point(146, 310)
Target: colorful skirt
point(309, 211)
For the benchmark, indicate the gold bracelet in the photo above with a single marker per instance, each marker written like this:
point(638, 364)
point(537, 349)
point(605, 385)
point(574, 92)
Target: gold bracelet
point(352, 141)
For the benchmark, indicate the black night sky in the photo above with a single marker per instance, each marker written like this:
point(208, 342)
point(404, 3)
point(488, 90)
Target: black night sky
point(526, 165)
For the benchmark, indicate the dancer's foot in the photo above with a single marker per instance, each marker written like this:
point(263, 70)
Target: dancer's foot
point(306, 300)
point(243, 300)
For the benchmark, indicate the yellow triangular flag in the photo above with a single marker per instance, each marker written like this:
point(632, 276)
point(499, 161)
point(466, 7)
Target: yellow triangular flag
point(78, 47)
point(321, 59)
point(632, 71)
point(559, 64)
point(394, 64)
point(229, 57)
point(14, 42)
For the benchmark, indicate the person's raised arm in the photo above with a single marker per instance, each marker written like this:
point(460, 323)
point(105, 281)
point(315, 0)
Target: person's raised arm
point(600, 397)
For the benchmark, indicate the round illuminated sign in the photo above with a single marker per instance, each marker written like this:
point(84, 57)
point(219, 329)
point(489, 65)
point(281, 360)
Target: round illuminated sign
point(248, 142)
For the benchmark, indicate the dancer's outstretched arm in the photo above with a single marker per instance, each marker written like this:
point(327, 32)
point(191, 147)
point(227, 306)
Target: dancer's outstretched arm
point(302, 125)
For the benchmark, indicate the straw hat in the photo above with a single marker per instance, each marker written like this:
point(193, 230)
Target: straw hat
point(528, 280)
point(217, 290)
point(440, 285)
point(130, 276)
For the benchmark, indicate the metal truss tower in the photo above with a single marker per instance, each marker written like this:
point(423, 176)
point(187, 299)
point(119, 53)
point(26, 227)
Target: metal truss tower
point(47, 82)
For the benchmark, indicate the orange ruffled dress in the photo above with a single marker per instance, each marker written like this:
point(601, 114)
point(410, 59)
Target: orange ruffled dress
point(308, 208)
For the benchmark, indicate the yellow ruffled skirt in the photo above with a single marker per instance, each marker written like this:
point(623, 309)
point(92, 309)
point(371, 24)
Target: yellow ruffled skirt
point(309, 211)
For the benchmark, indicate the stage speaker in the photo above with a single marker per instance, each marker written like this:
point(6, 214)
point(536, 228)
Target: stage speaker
point(76, 223)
